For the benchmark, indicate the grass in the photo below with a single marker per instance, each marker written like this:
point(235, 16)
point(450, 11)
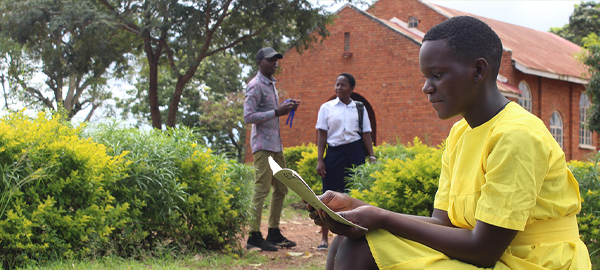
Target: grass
point(199, 261)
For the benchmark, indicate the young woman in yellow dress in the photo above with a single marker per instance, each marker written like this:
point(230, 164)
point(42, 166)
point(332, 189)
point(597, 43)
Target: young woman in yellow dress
point(506, 199)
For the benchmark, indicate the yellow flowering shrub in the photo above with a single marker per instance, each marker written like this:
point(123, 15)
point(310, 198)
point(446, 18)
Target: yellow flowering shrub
point(587, 174)
point(293, 155)
point(307, 168)
point(405, 182)
point(405, 179)
point(186, 196)
point(55, 202)
point(218, 200)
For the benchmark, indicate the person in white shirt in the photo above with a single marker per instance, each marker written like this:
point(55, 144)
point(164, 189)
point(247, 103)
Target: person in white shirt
point(338, 131)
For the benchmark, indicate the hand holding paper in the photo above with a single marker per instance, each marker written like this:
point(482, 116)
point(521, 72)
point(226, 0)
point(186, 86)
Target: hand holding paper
point(293, 180)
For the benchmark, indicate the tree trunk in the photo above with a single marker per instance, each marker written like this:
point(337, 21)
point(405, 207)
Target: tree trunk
point(68, 104)
point(174, 106)
point(153, 58)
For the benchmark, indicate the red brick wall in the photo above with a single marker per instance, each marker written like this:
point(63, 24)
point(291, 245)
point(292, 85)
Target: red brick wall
point(404, 9)
point(386, 67)
point(549, 95)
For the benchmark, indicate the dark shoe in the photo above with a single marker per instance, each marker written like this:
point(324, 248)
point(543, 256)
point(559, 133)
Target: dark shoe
point(257, 241)
point(274, 237)
point(322, 247)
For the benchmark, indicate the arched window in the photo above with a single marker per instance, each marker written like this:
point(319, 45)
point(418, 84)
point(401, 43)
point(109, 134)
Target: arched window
point(585, 135)
point(525, 97)
point(413, 22)
point(556, 128)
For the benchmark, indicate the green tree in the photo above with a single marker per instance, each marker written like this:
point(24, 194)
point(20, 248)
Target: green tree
point(17, 71)
point(583, 29)
point(74, 46)
point(187, 32)
point(584, 20)
point(211, 103)
point(591, 58)
point(222, 125)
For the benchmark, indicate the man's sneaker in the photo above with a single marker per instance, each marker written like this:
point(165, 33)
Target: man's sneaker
point(274, 237)
point(257, 241)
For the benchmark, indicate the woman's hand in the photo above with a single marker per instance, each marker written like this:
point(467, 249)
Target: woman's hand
point(336, 201)
point(346, 205)
point(321, 168)
point(366, 216)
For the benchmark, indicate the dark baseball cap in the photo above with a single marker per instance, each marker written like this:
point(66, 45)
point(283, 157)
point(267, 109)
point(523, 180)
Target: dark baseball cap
point(267, 52)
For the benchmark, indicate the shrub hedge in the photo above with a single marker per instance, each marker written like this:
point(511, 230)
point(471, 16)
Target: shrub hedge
point(188, 196)
point(71, 192)
point(293, 155)
point(405, 180)
point(586, 173)
point(56, 201)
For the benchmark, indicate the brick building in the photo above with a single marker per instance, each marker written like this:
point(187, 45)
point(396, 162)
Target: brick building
point(380, 47)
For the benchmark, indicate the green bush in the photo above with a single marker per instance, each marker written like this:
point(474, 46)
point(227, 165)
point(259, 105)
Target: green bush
point(55, 202)
point(293, 155)
point(66, 197)
point(405, 185)
point(404, 180)
point(363, 176)
point(186, 196)
point(588, 219)
point(307, 168)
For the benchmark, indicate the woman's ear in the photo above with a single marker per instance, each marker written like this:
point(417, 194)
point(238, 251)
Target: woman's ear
point(481, 69)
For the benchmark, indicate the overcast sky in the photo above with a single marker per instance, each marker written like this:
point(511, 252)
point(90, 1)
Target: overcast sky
point(539, 15)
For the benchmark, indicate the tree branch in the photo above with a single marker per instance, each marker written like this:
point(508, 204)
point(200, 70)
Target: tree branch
point(89, 116)
point(210, 32)
point(238, 40)
point(124, 25)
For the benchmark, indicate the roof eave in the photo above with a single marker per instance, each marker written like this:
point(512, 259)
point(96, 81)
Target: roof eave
point(380, 21)
point(550, 75)
point(509, 94)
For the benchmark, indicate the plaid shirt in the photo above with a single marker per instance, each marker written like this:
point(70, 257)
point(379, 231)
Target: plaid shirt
point(259, 110)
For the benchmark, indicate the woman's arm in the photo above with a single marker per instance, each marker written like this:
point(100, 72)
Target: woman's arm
point(368, 141)
point(481, 246)
point(321, 142)
point(339, 202)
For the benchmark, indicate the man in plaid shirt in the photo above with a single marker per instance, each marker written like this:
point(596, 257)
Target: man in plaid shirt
point(262, 110)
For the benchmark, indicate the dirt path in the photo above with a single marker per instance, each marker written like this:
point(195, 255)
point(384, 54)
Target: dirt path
point(305, 255)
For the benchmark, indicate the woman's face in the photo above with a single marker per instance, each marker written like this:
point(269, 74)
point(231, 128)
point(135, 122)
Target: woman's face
point(448, 82)
point(343, 90)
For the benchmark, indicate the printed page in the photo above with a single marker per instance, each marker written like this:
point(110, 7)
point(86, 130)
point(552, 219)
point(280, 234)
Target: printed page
point(293, 180)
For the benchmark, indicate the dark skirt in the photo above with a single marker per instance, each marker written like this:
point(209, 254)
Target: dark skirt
point(338, 159)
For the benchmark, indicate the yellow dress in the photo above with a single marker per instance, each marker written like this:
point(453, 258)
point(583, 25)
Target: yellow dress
point(508, 172)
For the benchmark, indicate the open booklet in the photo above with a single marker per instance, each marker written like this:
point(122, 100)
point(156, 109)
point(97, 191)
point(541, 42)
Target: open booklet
point(293, 180)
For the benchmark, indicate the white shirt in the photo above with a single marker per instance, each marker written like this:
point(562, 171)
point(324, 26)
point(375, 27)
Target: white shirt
point(341, 122)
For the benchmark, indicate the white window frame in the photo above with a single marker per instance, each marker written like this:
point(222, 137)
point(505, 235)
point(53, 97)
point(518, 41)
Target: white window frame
point(585, 134)
point(525, 97)
point(556, 128)
point(413, 22)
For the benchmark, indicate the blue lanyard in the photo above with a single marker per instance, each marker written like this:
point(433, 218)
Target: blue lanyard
point(290, 118)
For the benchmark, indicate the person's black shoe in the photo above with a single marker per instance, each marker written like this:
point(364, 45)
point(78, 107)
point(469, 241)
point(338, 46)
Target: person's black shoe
point(255, 240)
point(274, 237)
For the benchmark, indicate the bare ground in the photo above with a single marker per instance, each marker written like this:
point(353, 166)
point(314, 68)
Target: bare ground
point(298, 228)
